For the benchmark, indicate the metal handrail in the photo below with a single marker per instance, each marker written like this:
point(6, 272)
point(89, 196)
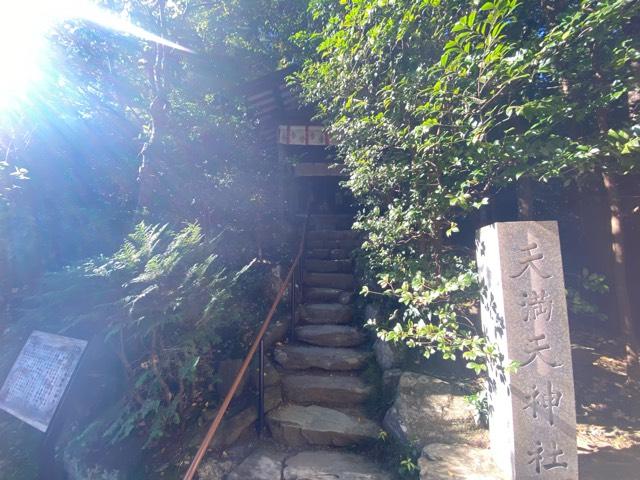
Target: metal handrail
point(258, 342)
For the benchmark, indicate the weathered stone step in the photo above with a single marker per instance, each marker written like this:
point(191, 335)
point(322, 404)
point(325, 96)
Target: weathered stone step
point(447, 462)
point(297, 426)
point(343, 281)
point(328, 253)
point(330, 221)
point(302, 357)
point(323, 313)
point(333, 235)
point(271, 463)
point(328, 266)
point(346, 243)
point(322, 465)
point(324, 294)
point(329, 390)
point(266, 463)
point(358, 410)
point(331, 335)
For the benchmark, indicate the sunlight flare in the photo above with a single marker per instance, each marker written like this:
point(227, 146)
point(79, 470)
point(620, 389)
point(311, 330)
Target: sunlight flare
point(24, 43)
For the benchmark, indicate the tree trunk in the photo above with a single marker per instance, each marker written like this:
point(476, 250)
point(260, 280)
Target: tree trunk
point(627, 323)
point(620, 284)
point(524, 192)
point(633, 93)
point(621, 288)
point(152, 164)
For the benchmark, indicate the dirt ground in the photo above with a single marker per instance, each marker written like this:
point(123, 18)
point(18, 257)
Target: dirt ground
point(608, 411)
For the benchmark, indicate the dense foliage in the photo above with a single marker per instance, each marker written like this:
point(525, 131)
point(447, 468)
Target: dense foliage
point(177, 296)
point(437, 105)
point(435, 108)
point(121, 130)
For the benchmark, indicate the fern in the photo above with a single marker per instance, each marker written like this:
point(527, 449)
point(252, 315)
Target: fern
point(176, 291)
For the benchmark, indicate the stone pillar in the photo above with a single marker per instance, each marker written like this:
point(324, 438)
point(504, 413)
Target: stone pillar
point(532, 416)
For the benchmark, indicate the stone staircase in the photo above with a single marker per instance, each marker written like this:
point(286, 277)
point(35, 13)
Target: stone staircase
point(321, 372)
point(320, 369)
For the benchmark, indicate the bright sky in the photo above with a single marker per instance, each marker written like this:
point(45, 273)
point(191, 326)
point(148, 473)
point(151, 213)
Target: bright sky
point(24, 25)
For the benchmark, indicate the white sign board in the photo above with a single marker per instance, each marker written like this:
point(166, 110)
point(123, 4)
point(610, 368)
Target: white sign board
point(39, 377)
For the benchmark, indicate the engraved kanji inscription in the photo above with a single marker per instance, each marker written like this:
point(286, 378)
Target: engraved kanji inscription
point(536, 457)
point(542, 403)
point(528, 261)
point(536, 304)
point(535, 347)
point(531, 408)
point(539, 459)
point(555, 453)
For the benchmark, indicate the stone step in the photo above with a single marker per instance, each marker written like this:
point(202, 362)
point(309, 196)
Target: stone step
point(330, 221)
point(302, 357)
point(298, 426)
point(343, 281)
point(328, 266)
point(333, 235)
point(327, 390)
point(331, 335)
point(355, 410)
point(328, 253)
point(445, 462)
point(324, 295)
point(269, 462)
point(323, 313)
point(266, 463)
point(323, 465)
point(346, 243)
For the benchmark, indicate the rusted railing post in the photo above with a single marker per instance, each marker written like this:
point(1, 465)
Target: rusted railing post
point(293, 306)
point(261, 390)
point(257, 343)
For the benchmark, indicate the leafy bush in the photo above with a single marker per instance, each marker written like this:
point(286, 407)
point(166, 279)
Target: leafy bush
point(583, 290)
point(436, 106)
point(176, 293)
point(480, 402)
point(396, 456)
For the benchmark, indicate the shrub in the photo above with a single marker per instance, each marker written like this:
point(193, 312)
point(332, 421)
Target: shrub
point(176, 292)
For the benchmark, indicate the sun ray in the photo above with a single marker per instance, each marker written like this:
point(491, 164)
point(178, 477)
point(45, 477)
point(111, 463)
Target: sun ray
point(24, 44)
point(92, 13)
